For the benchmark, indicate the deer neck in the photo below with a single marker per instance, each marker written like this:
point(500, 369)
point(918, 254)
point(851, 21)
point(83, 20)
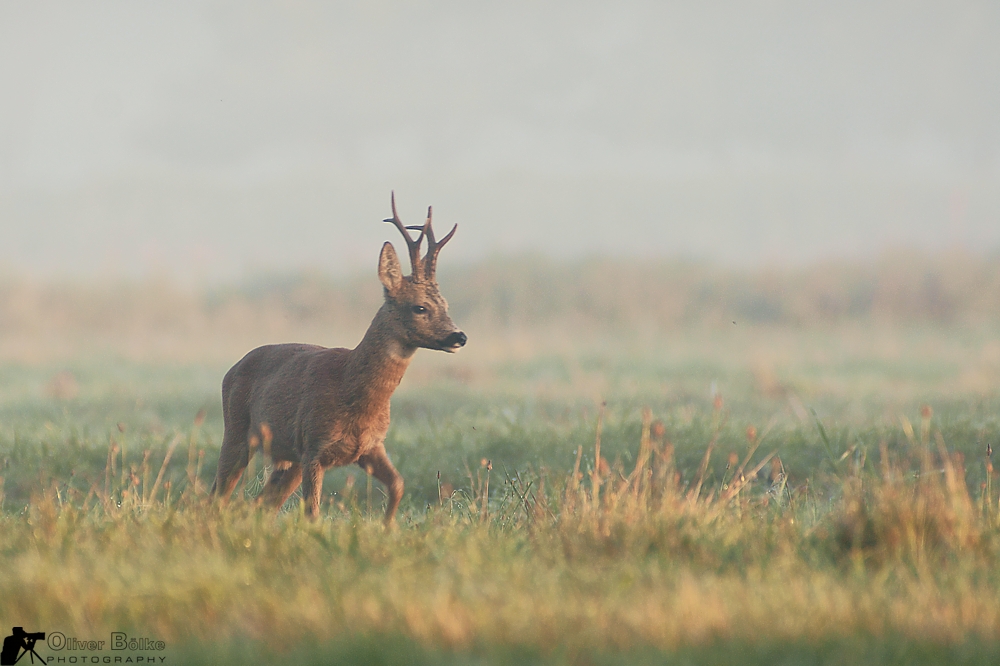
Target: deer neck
point(376, 366)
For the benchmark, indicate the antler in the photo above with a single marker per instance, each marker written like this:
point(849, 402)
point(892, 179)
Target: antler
point(433, 247)
point(412, 245)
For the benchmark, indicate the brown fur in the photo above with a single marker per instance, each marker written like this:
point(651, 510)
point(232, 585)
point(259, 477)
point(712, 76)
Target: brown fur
point(312, 408)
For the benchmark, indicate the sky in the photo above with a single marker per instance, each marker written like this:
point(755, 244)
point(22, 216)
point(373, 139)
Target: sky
point(211, 140)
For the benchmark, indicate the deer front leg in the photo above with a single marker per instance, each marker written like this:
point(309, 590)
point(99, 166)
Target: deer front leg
point(312, 486)
point(378, 465)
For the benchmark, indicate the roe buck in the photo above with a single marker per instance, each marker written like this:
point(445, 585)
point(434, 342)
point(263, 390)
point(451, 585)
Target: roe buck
point(312, 408)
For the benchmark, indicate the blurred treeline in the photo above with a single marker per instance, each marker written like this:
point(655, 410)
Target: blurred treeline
point(597, 295)
point(944, 288)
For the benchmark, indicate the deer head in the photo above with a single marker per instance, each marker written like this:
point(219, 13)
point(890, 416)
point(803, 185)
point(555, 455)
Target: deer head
point(418, 310)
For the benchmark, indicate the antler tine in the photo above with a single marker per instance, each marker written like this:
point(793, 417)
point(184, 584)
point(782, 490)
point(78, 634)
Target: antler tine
point(412, 245)
point(428, 230)
point(433, 246)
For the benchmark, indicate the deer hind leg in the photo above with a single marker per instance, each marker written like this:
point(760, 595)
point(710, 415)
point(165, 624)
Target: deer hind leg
point(378, 465)
point(233, 459)
point(312, 486)
point(283, 481)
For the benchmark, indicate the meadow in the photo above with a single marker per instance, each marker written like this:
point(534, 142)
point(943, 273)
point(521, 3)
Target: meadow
point(661, 463)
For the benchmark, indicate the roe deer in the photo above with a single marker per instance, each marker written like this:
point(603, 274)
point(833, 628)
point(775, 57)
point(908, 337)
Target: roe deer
point(312, 408)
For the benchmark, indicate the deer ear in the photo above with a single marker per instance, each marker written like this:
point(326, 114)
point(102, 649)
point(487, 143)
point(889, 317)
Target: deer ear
point(389, 271)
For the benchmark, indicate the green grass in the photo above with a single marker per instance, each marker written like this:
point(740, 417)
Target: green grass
point(544, 568)
point(870, 536)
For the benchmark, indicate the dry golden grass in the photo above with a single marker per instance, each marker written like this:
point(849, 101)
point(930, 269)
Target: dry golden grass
point(605, 558)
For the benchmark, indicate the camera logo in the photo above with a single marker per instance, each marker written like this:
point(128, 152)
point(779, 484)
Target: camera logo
point(18, 644)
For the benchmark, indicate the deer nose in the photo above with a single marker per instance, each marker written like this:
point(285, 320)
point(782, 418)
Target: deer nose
point(456, 339)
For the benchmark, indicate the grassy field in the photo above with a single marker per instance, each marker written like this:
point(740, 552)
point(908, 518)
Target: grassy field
point(718, 492)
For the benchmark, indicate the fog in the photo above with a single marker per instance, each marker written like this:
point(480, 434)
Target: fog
point(207, 140)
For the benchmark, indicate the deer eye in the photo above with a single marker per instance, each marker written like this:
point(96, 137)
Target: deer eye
point(419, 309)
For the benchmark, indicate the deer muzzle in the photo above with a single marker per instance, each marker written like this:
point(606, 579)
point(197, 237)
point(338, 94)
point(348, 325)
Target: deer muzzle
point(454, 342)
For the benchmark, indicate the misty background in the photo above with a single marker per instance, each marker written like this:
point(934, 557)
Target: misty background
point(207, 141)
point(792, 205)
